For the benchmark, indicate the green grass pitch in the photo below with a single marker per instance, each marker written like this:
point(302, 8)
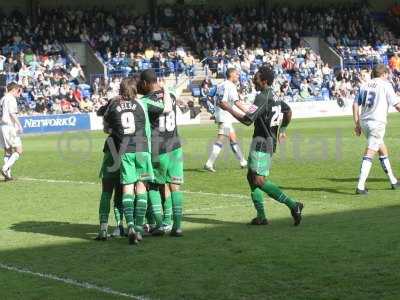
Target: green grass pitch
point(347, 247)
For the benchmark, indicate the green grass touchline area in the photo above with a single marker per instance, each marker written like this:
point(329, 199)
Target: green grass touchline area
point(347, 247)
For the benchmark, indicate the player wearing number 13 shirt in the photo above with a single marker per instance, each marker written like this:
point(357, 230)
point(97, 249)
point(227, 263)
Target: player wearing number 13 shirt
point(374, 99)
point(167, 158)
point(270, 118)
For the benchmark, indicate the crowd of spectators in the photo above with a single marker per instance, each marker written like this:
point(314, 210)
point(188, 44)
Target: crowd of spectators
point(32, 50)
point(50, 83)
point(32, 54)
point(166, 63)
point(245, 38)
point(210, 29)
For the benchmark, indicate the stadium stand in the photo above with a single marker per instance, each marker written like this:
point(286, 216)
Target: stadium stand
point(33, 54)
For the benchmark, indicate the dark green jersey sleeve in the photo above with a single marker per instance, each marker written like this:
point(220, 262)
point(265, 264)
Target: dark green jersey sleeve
point(258, 108)
point(285, 108)
point(155, 107)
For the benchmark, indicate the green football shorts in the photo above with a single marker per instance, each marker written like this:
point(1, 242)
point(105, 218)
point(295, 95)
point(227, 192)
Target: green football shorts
point(136, 167)
point(168, 167)
point(259, 163)
point(108, 162)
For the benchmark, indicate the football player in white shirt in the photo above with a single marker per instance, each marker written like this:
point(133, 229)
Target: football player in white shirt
point(10, 128)
point(374, 100)
point(226, 92)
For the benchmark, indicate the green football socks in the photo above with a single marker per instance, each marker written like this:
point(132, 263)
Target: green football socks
point(118, 208)
point(257, 196)
point(149, 215)
point(275, 193)
point(140, 211)
point(128, 204)
point(155, 200)
point(167, 208)
point(177, 199)
point(104, 207)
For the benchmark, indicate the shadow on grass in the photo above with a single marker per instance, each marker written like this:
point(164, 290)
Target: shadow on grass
point(355, 180)
point(190, 219)
point(313, 189)
point(329, 256)
point(60, 229)
point(195, 170)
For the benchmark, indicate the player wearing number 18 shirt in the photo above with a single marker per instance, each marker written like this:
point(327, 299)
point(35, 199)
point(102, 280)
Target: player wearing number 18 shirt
point(270, 118)
point(167, 157)
point(374, 100)
point(128, 121)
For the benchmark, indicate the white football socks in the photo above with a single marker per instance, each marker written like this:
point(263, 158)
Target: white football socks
point(365, 169)
point(238, 152)
point(217, 147)
point(387, 168)
point(11, 161)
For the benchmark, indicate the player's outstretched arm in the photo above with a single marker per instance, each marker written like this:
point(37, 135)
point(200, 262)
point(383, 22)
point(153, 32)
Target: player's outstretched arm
point(167, 102)
point(239, 104)
point(241, 117)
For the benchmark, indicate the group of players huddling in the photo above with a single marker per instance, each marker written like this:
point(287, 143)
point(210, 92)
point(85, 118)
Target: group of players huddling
point(143, 158)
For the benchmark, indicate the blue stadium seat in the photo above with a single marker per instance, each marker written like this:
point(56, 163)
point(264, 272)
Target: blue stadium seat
point(195, 90)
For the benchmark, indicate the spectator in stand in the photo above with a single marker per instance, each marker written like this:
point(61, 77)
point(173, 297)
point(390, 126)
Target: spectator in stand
point(77, 95)
point(66, 106)
point(77, 74)
point(394, 64)
point(206, 96)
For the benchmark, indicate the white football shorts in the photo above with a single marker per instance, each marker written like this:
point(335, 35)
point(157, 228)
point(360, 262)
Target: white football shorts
point(9, 137)
point(375, 132)
point(225, 129)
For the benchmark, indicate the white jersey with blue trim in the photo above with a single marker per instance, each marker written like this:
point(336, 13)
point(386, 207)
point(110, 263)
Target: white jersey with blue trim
point(226, 91)
point(375, 98)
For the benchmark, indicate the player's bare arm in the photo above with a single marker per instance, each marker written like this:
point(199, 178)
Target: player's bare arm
point(239, 104)
point(356, 118)
point(287, 117)
point(241, 117)
point(167, 103)
point(16, 123)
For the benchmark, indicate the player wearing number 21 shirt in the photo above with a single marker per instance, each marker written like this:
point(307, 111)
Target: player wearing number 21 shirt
point(270, 118)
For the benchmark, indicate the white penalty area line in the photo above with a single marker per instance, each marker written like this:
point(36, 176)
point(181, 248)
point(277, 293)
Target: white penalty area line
point(238, 196)
point(73, 282)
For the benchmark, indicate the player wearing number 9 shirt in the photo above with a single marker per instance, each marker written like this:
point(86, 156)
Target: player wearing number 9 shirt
point(167, 157)
point(374, 99)
point(270, 118)
point(128, 121)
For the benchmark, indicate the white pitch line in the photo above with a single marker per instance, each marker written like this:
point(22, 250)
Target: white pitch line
point(69, 281)
point(188, 211)
point(96, 183)
point(57, 181)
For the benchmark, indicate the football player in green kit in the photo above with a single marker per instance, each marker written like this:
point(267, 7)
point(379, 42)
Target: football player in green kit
point(110, 184)
point(167, 156)
point(270, 118)
point(130, 146)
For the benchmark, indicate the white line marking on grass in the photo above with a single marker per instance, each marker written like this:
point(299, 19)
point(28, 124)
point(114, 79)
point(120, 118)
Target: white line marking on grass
point(238, 196)
point(81, 284)
point(217, 194)
point(189, 211)
point(57, 181)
